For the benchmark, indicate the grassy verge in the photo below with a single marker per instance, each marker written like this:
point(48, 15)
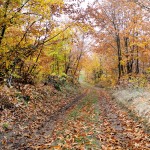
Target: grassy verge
point(134, 116)
point(80, 128)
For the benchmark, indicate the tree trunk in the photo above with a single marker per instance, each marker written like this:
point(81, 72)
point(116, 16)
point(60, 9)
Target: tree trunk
point(120, 66)
point(3, 28)
point(137, 62)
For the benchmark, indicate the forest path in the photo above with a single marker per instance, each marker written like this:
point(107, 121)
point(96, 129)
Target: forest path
point(93, 121)
point(97, 122)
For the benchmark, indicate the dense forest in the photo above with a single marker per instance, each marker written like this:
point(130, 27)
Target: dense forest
point(54, 53)
point(60, 38)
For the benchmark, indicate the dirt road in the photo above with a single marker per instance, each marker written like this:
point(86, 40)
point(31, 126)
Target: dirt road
point(93, 122)
point(97, 122)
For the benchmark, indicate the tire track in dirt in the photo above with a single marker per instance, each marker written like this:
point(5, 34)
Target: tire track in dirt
point(119, 131)
point(79, 128)
point(46, 129)
point(50, 123)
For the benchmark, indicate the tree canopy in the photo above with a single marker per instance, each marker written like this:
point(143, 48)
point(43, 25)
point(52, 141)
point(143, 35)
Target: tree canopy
point(108, 39)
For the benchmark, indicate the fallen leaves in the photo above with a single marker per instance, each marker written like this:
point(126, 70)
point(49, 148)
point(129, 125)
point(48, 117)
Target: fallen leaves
point(120, 132)
point(27, 118)
point(80, 129)
point(96, 122)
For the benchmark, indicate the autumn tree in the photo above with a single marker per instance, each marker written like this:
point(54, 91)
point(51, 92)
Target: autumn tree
point(26, 27)
point(120, 29)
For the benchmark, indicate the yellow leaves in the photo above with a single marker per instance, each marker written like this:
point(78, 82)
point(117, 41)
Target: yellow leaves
point(122, 62)
point(139, 44)
point(50, 2)
point(44, 8)
point(91, 63)
point(84, 28)
point(7, 64)
point(56, 2)
point(47, 3)
point(45, 146)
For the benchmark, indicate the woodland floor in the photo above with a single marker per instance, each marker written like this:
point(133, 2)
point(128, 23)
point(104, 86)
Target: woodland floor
point(90, 121)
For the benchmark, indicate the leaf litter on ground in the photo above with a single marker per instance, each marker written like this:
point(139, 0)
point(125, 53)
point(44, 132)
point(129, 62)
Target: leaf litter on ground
point(19, 124)
point(80, 127)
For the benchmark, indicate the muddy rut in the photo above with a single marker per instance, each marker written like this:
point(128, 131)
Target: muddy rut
point(119, 131)
point(23, 142)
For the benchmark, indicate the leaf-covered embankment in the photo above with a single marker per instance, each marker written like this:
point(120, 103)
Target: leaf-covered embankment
point(24, 111)
point(120, 131)
point(136, 100)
